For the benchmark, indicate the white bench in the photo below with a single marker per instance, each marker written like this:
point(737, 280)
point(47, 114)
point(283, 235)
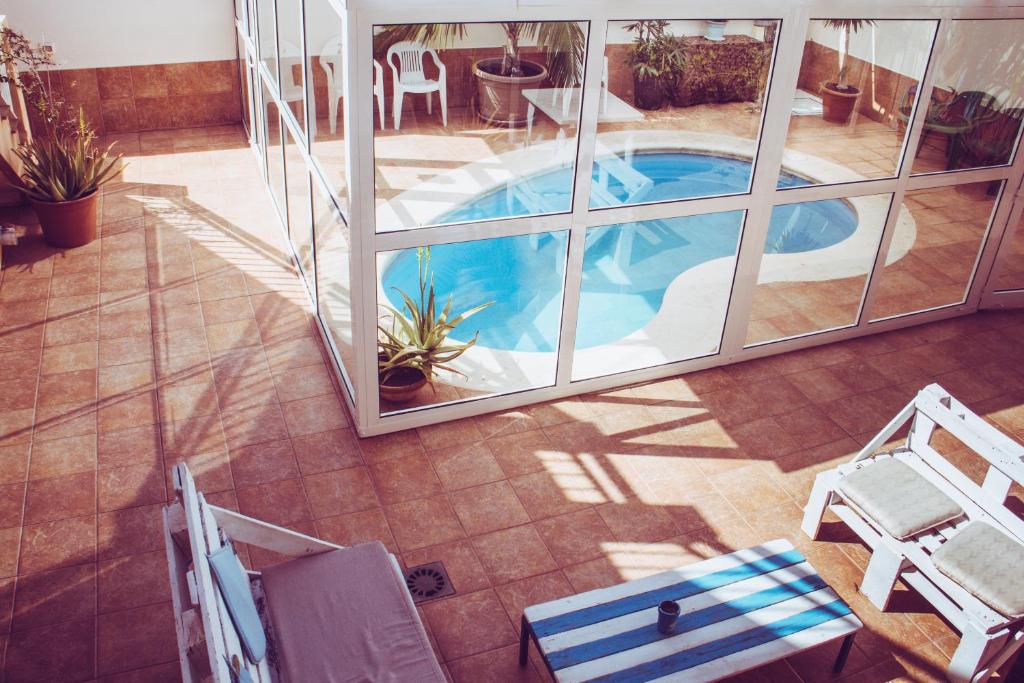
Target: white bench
point(738, 612)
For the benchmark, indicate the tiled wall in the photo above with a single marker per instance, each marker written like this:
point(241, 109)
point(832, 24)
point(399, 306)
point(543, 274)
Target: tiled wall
point(151, 97)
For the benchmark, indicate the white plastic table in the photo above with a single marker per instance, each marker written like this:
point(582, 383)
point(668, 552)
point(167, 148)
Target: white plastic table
point(562, 105)
point(738, 612)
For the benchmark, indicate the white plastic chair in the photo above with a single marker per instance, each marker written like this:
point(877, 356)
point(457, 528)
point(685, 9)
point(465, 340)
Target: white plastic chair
point(331, 62)
point(291, 90)
point(408, 77)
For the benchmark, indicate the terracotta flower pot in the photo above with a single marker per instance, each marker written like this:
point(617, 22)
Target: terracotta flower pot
point(68, 224)
point(838, 105)
point(500, 97)
point(402, 385)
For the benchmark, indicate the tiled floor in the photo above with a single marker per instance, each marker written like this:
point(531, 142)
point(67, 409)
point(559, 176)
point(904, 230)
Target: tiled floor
point(182, 335)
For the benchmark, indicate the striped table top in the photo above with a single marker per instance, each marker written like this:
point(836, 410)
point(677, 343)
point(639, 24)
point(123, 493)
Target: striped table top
point(738, 612)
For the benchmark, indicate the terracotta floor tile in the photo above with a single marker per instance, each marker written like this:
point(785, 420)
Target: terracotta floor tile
point(254, 425)
point(282, 502)
point(293, 354)
point(212, 471)
point(575, 537)
point(488, 507)
point(31, 655)
point(395, 445)
point(134, 638)
point(764, 439)
point(460, 561)
point(69, 358)
point(18, 394)
point(187, 400)
point(246, 392)
point(749, 489)
point(512, 554)
point(496, 666)
point(64, 420)
point(357, 527)
point(636, 521)
point(132, 581)
point(456, 624)
point(16, 426)
point(129, 531)
point(226, 310)
point(224, 285)
point(326, 451)
point(54, 596)
point(263, 463)
point(449, 434)
point(317, 414)
point(309, 382)
point(340, 491)
point(405, 479)
point(10, 550)
point(14, 463)
point(423, 522)
point(187, 437)
point(505, 423)
point(521, 453)
point(130, 486)
point(547, 494)
point(132, 446)
point(126, 379)
point(128, 410)
point(125, 350)
point(231, 335)
point(71, 329)
point(592, 574)
point(72, 495)
point(59, 543)
point(12, 504)
point(519, 595)
point(809, 426)
point(67, 387)
point(464, 466)
point(61, 457)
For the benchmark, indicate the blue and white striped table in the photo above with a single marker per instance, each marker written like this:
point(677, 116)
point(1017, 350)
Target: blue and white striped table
point(738, 612)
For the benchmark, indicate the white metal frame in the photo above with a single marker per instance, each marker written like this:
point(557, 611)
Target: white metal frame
point(360, 17)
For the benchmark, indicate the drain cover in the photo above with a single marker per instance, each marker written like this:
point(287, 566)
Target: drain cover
point(428, 581)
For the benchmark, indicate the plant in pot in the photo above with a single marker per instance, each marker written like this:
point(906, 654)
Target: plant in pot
point(62, 169)
point(415, 345)
point(501, 80)
point(656, 60)
point(838, 97)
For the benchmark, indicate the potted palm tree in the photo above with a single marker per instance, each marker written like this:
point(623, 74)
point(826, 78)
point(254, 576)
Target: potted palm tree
point(656, 60)
point(415, 345)
point(838, 97)
point(62, 168)
point(501, 80)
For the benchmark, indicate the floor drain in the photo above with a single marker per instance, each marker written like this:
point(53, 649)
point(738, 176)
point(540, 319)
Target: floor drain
point(428, 581)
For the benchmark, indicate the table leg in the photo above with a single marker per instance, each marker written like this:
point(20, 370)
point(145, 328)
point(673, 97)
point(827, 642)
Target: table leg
point(844, 652)
point(524, 640)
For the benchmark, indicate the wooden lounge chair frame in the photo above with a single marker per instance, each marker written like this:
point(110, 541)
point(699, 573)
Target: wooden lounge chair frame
point(193, 528)
point(988, 638)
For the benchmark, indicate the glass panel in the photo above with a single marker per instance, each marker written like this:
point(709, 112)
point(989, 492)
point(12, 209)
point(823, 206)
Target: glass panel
point(275, 153)
point(521, 277)
point(680, 112)
point(300, 223)
point(977, 101)
point(816, 262)
point(289, 51)
point(856, 91)
point(934, 247)
point(1010, 266)
point(325, 51)
point(333, 276)
point(251, 24)
point(497, 139)
point(268, 37)
point(243, 80)
point(654, 292)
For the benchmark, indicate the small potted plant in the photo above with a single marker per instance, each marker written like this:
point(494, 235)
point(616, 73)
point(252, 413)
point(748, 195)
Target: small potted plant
point(415, 345)
point(656, 60)
point(838, 97)
point(62, 168)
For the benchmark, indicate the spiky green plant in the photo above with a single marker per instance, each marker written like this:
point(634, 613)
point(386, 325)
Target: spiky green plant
point(418, 337)
point(65, 166)
point(846, 28)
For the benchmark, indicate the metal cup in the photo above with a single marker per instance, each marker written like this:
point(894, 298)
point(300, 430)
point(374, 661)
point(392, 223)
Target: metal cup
point(668, 615)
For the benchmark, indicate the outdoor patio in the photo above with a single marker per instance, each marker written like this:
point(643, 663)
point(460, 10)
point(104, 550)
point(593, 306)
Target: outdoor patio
point(184, 335)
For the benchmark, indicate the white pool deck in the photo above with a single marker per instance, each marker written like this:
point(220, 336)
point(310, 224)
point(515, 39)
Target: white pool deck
point(690, 321)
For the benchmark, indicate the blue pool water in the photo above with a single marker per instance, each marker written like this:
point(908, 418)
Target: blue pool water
point(626, 267)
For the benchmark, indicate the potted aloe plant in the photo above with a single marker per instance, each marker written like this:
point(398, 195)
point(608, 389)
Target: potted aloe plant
point(415, 345)
point(62, 168)
point(501, 80)
point(838, 97)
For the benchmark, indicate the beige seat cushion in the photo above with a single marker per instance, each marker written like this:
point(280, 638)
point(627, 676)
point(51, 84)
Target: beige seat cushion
point(344, 616)
point(988, 564)
point(899, 499)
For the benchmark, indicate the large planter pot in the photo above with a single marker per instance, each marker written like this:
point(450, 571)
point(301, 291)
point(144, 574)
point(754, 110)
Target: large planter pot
point(648, 93)
point(714, 29)
point(68, 224)
point(402, 385)
point(838, 105)
point(500, 100)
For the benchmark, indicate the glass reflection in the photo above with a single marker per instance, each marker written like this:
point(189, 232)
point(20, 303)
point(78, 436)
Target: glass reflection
point(333, 277)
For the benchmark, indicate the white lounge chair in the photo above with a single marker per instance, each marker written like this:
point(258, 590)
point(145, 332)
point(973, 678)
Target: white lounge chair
point(329, 613)
point(409, 77)
point(331, 62)
point(932, 526)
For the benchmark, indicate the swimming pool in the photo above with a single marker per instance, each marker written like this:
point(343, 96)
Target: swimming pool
point(626, 268)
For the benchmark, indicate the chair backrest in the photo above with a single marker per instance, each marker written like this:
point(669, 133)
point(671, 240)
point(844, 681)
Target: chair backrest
point(410, 60)
point(290, 56)
point(331, 61)
point(975, 105)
